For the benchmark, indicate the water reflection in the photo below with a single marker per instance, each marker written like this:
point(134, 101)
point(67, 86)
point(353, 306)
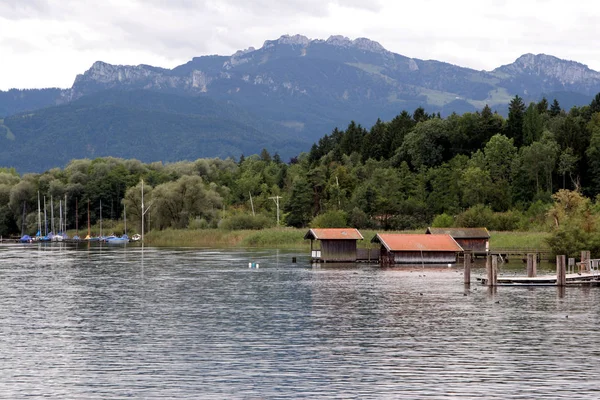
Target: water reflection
point(106, 321)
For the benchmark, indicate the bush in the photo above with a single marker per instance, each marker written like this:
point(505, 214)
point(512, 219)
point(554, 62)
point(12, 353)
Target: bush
point(443, 221)
point(359, 219)
point(198, 223)
point(506, 221)
point(245, 221)
point(475, 217)
point(330, 219)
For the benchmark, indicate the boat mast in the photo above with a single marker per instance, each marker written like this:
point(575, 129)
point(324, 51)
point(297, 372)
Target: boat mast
point(89, 232)
point(125, 218)
point(52, 215)
point(45, 219)
point(39, 216)
point(142, 211)
point(23, 221)
point(60, 223)
point(65, 214)
point(100, 217)
point(76, 219)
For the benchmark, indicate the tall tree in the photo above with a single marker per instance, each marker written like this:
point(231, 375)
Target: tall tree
point(532, 125)
point(514, 126)
point(542, 106)
point(555, 108)
point(595, 104)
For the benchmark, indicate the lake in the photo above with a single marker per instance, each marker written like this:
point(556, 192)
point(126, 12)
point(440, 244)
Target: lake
point(114, 322)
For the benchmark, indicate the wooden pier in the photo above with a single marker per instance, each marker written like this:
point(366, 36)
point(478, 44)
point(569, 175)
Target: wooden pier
point(547, 280)
point(586, 272)
point(508, 254)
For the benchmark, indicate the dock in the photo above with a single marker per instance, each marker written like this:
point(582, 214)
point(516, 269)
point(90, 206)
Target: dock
point(586, 272)
point(584, 278)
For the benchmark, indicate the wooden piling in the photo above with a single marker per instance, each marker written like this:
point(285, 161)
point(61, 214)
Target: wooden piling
point(571, 266)
point(561, 273)
point(491, 266)
point(585, 257)
point(467, 263)
point(531, 265)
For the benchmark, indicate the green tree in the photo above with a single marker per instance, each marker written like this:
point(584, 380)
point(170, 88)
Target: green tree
point(532, 125)
point(514, 124)
point(567, 164)
point(298, 205)
point(542, 106)
point(555, 108)
point(427, 144)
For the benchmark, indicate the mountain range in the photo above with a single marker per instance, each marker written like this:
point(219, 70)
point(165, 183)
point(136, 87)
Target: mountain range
point(282, 97)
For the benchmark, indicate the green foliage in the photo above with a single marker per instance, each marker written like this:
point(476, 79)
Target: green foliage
point(330, 219)
point(443, 221)
point(398, 175)
point(246, 221)
point(475, 217)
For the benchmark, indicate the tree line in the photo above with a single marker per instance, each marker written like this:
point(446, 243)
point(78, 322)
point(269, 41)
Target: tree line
point(419, 169)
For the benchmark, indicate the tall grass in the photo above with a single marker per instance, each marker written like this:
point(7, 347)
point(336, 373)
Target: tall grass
point(292, 238)
point(519, 240)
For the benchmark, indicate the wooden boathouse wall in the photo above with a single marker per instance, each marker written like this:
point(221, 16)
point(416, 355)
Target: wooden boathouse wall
point(417, 257)
point(335, 244)
point(338, 250)
point(476, 240)
point(417, 248)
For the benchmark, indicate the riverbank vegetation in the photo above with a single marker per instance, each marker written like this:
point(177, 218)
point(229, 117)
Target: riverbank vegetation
point(536, 171)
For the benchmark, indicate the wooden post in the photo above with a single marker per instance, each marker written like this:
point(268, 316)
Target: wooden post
point(495, 269)
point(585, 257)
point(561, 276)
point(467, 261)
point(491, 266)
point(571, 268)
point(530, 258)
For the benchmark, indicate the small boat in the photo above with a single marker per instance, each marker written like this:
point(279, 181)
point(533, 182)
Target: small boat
point(25, 239)
point(136, 237)
point(116, 239)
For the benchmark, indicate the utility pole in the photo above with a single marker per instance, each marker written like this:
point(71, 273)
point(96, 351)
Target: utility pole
point(252, 204)
point(144, 211)
point(276, 200)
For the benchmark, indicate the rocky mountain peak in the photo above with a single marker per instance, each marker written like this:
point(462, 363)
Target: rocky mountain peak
point(544, 65)
point(295, 40)
point(359, 43)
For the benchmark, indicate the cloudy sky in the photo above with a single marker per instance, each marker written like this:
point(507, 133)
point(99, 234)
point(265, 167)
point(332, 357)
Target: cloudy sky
point(46, 43)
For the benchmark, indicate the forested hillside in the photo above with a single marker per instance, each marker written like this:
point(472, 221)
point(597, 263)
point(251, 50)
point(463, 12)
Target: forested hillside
point(140, 124)
point(537, 169)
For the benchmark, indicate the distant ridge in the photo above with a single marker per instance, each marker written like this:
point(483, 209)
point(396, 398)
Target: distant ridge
point(296, 89)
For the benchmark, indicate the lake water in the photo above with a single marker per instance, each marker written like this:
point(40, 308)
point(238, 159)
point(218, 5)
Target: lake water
point(116, 322)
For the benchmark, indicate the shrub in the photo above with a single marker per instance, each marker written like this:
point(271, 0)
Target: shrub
point(506, 221)
point(475, 217)
point(330, 219)
point(443, 221)
point(198, 223)
point(245, 221)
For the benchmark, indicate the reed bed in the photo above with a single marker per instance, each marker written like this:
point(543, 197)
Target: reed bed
point(292, 238)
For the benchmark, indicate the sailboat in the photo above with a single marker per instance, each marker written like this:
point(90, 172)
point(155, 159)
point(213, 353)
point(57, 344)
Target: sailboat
point(76, 237)
point(47, 236)
point(122, 239)
point(24, 238)
point(89, 238)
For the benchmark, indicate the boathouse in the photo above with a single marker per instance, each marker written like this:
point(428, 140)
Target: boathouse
point(417, 249)
point(335, 244)
point(476, 240)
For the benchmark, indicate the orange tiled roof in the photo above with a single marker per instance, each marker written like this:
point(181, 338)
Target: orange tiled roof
point(417, 242)
point(333, 234)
